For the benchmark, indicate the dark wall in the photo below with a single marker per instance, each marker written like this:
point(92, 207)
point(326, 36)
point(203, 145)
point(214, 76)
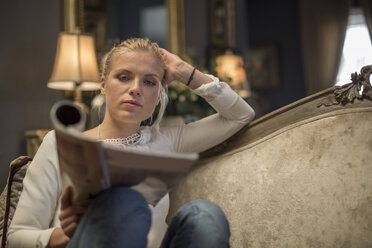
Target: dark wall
point(28, 39)
point(271, 21)
point(196, 31)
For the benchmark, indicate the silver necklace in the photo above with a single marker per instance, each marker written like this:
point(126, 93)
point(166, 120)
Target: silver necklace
point(130, 140)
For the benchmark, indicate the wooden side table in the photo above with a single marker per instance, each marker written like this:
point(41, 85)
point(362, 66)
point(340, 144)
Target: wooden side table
point(33, 140)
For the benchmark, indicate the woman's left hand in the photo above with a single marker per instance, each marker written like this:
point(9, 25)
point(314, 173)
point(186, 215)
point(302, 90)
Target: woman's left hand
point(176, 68)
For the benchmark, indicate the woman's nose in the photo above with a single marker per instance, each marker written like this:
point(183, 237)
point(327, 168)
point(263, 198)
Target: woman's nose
point(135, 88)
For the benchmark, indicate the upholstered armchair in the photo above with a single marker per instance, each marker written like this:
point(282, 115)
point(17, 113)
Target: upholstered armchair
point(300, 176)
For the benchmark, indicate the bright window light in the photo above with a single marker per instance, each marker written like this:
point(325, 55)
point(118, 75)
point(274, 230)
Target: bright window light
point(357, 51)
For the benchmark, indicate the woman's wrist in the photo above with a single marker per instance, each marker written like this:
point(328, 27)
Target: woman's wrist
point(58, 238)
point(187, 75)
point(198, 79)
point(183, 72)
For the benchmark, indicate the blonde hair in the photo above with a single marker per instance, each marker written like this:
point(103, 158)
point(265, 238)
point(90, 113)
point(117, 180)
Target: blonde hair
point(143, 44)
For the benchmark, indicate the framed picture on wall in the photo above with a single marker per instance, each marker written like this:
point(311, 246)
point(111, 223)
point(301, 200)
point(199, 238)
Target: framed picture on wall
point(95, 24)
point(222, 21)
point(263, 67)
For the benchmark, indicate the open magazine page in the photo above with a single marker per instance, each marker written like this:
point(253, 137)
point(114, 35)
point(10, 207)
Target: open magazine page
point(152, 173)
point(81, 166)
point(81, 160)
point(90, 166)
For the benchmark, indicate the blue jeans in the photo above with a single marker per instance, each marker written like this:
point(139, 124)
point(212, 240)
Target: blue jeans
point(120, 217)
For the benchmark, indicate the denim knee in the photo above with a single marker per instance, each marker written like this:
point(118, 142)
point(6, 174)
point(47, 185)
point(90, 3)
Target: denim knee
point(115, 217)
point(203, 206)
point(202, 209)
point(198, 223)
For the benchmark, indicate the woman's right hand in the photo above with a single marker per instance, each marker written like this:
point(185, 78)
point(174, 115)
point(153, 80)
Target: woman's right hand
point(58, 239)
point(70, 216)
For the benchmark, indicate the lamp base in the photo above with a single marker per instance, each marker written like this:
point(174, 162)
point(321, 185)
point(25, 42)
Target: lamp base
point(81, 105)
point(78, 100)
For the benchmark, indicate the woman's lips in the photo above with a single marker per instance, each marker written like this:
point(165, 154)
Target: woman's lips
point(132, 103)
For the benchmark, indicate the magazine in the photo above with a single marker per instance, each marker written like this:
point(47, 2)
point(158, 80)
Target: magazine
point(91, 166)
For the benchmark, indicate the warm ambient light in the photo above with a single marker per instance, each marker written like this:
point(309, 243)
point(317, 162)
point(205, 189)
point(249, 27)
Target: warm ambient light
point(230, 69)
point(75, 66)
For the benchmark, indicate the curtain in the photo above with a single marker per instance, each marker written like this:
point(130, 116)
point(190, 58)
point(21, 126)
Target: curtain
point(366, 6)
point(323, 28)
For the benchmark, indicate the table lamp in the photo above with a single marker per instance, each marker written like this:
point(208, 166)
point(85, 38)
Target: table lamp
point(75, 66)
point(230, 69)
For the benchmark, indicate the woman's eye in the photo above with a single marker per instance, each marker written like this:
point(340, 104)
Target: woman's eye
point(150, 82)
point(123, 77)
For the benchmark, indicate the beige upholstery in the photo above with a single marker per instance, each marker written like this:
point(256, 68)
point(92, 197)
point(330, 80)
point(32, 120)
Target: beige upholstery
point(299, 177)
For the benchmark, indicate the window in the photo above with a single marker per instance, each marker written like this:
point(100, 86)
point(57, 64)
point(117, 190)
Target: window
point(357, 51)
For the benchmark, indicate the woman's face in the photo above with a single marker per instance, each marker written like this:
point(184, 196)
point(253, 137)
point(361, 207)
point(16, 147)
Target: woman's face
point(132, 86)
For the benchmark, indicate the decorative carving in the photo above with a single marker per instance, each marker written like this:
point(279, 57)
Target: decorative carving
point(360, 88)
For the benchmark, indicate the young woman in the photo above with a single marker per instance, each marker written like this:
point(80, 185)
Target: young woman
point(134, 77)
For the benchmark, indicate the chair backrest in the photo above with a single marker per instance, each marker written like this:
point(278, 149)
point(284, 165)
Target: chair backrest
point(11, 193)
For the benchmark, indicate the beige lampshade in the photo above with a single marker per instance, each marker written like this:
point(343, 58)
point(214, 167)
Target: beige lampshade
point(75, 63)
point(230, 69)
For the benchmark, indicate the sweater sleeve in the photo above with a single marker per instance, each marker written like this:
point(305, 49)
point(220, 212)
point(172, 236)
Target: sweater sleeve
point(233, 113)
point(35, 213)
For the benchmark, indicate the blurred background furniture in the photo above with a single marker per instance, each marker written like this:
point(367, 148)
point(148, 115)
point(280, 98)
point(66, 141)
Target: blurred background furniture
point(33, 140)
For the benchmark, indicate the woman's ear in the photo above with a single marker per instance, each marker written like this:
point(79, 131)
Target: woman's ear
point(162, 89)
point(103, 85)
point(157, 103)
point(164, 83)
